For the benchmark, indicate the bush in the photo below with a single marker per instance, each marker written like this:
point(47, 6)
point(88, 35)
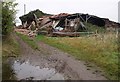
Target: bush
point(8, 17)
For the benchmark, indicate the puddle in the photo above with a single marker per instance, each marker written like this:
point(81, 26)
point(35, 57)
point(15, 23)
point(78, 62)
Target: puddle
point(27, 71)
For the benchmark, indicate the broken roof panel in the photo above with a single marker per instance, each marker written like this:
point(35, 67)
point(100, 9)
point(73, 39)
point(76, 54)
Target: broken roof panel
point(45, 21)
point(59, 16)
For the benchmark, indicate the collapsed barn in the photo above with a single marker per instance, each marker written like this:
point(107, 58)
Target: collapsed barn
point(63, 24)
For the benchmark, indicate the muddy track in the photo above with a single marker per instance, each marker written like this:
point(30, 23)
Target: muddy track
point(63, 63)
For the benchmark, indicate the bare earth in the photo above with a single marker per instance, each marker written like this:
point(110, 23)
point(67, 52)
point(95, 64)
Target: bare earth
point(63, 63)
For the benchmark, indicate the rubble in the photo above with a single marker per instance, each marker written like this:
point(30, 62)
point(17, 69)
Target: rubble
point(63, 24)
point(26, 32)
point(22, 31)
point(32, 34)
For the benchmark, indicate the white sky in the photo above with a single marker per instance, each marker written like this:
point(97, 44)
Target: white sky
point(101, 8)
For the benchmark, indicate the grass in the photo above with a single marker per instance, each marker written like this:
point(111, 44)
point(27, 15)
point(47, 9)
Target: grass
point(29, 41)
point(0, 60)
point(93, 28)
point(10, 48)
point(102, 52)
point(7, 72)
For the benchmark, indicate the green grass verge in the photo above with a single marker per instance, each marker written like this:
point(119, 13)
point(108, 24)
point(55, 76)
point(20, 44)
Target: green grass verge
point(102, 52)
point(10, 48)
point(29, 41)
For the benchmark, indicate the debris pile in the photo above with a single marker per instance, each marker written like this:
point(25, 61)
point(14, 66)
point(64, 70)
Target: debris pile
point(63, 24)
point(26, 32)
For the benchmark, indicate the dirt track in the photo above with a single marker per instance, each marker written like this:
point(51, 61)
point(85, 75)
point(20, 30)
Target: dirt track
point(63, 63)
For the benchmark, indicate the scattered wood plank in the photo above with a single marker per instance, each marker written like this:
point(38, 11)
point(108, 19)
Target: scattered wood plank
point(70, 34)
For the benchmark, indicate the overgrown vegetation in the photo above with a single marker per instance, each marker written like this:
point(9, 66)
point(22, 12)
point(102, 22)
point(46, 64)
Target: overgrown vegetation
point(100, 50)
point(29, 41)
point(10, 48)
point(8, 17)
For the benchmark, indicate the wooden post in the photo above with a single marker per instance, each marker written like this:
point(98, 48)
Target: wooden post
point(65, 23)
point(87, 18)
point(116, 33)
point(24, 9)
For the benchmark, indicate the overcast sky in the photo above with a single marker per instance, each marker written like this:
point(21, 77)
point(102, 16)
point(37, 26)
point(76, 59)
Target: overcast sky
point(101, 8)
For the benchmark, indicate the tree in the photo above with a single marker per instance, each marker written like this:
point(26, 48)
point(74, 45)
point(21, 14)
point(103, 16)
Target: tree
point(8, 16)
